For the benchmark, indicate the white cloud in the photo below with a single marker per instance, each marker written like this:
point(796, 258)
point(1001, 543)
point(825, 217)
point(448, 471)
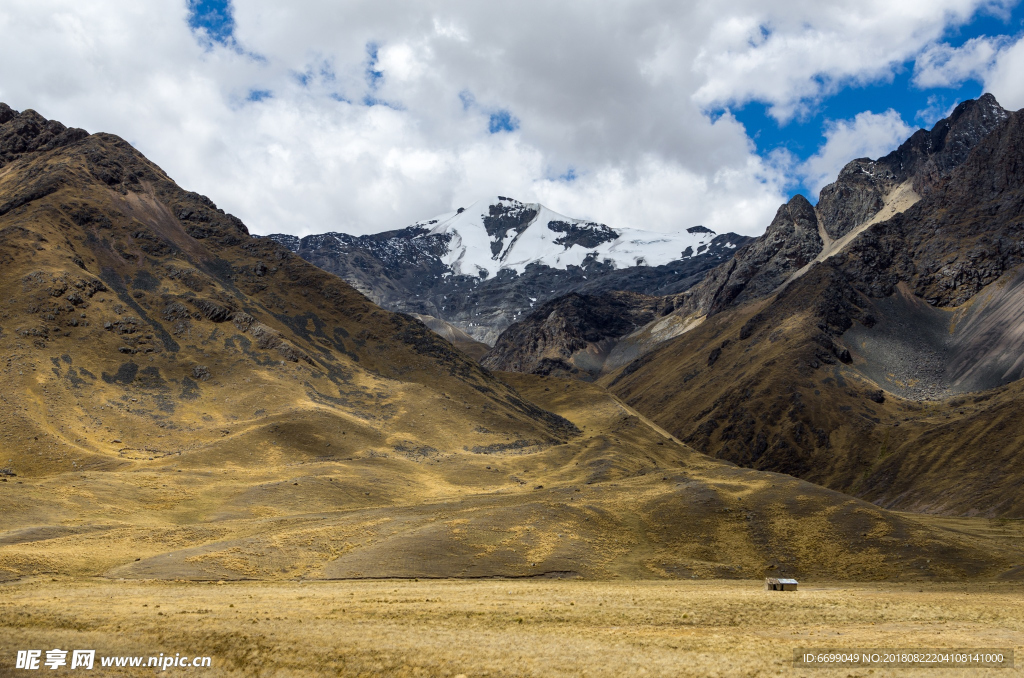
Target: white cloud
point(942, 65)
point(996, 61)
point(810, 49)
point(618, 92)
point(866, 135)
point(1004, 78)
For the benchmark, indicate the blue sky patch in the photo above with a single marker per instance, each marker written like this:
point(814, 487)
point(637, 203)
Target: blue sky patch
point(918, 107)
point(259, 94)
point(215, 17)
point(373, 76)
point(371, 100)
point(502, 121)
point(321, 72)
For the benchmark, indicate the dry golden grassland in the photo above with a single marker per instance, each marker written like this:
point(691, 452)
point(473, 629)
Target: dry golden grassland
point(505, 627)
point(621, 500)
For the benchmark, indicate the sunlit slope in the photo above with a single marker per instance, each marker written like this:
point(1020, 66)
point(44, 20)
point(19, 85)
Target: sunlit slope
point(137, 322)
point(621, 500)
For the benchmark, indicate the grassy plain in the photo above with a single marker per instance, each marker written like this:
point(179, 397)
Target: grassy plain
point(505, 627)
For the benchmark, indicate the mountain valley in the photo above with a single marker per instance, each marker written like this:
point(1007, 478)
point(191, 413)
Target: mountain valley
point(188, 402)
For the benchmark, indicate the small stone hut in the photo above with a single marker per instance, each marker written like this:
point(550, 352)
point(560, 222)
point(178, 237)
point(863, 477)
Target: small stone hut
point(777, 584)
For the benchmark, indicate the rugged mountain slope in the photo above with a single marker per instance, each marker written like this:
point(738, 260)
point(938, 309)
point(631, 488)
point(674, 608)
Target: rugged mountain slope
point(184, 401)
point(799, 235)
point(923, 160)
point(459, 339)
point(790, 243)
point(486, 266)
point(857, 375)
point(137, 313)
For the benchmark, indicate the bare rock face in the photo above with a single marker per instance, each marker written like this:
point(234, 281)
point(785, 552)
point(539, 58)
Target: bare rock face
point(928, 156)
point(963, 236)
point(503, 218)
point(855, 196)
point(924, 158)
point(790, 242)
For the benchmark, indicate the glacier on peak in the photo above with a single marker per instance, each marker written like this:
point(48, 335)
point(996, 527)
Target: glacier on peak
point(500, 233)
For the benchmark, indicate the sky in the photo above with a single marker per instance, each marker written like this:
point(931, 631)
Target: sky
point(368, 115)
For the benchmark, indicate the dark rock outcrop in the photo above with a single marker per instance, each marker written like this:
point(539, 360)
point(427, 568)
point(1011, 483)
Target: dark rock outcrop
point(588, 235)
point(572, 335)
point(29, 132)
point(503, 218)
point(793, 240)
point(965, 235)
point(790, 243)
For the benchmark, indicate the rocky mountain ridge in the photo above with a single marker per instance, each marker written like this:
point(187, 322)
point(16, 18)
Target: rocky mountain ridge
point(483, 267)
point(800, 232)
point(573, 335)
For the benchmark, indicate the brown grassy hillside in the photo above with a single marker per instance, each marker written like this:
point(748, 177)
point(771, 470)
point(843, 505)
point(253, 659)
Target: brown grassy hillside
point(139, 321)
point(889, 370)
point(621, 500)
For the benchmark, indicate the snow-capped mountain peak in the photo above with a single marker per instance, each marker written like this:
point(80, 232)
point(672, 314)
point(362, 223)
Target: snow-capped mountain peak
point(503, 233)
point(485, 266)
